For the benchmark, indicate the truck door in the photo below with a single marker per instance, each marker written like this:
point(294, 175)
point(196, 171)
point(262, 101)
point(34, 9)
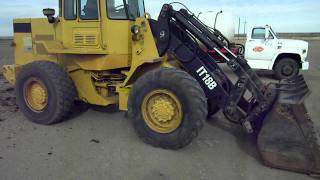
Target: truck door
point(81, 26)
point(260, 48)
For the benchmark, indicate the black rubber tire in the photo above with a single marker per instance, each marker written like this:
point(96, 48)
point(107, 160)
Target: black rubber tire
point(191, 96)
point(286, 68)
point(61, 92)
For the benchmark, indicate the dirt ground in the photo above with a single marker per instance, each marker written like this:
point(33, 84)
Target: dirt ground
point(7, 98)
point(103, 145)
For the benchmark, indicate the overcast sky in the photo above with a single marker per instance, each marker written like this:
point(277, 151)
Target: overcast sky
point(282, 15)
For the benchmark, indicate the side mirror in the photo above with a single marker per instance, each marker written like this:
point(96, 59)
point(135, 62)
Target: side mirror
point(50, 14)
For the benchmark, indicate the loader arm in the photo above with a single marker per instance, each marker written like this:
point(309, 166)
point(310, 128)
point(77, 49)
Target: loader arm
point(181, 34)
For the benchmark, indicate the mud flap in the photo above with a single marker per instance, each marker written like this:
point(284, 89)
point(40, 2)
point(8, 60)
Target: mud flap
point(287, 139)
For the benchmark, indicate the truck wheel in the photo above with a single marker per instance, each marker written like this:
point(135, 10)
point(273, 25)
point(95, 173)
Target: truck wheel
point(168, 108)
point(45, 92)
point(286, 68)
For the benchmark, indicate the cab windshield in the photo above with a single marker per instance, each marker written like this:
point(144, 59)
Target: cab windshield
point(125, 9)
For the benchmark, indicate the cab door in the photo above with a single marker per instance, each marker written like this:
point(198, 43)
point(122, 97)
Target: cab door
point(81, 24)
point(260, 48)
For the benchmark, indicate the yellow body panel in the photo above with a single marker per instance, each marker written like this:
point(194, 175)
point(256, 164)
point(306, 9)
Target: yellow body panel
point(144, 51)
point(95, 62)
point(123, 97)
point(54, 47)
point(89, 47)
point(26, 50)
point(87, 91)
point(76, 34)
point(145, 57)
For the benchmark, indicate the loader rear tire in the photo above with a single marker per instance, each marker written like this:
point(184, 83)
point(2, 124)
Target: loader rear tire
point(181, 90)
point(45, 92)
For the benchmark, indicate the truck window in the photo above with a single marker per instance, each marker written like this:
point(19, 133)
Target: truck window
point(258, 33)
point(70, 9)
point(89, 10)
point(270, 35)
point(116, 9)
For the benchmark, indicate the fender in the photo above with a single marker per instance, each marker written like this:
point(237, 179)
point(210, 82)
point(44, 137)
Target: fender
point(279, 53)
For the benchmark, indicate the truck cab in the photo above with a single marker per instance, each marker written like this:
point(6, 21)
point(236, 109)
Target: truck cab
point(265, 50)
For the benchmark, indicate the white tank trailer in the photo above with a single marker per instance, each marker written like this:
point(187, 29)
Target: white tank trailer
point(223, 21)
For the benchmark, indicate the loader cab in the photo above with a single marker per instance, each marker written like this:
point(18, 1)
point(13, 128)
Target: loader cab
point(97, 26)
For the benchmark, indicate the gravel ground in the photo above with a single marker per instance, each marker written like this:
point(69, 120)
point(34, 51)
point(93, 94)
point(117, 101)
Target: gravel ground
point(103, 144)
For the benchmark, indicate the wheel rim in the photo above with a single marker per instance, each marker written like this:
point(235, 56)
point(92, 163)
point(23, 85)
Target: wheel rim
point(287, 70)
point(162, 111)
point(36, 94)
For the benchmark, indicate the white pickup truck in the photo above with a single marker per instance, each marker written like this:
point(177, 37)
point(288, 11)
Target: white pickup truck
point(265, 50)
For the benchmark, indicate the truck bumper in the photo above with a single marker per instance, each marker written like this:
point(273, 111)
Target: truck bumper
point(305, 65)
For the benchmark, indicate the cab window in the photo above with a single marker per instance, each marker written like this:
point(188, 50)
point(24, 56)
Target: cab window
point(125, 9)
point(89, 10)
point(258, 33)
point(270, 35)
point(70, 9)
point(135, 8)
point(116, 9)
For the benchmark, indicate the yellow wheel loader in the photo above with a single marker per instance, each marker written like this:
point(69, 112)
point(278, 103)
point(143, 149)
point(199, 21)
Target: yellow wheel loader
point(107, 52)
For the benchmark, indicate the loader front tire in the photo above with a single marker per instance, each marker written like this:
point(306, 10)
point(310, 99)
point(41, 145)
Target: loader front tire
point(45, 92)
point(167, 107)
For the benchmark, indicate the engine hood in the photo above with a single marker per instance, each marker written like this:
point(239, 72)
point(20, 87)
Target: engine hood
point(293, 43)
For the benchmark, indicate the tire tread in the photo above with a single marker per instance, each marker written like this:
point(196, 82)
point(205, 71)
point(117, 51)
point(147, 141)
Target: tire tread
point(62, 83)
point(191, 88)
